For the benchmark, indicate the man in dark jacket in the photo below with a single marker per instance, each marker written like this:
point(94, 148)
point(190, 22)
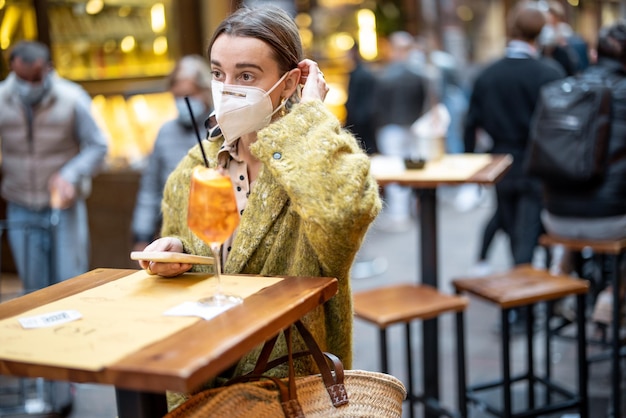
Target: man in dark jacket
point(502, 103)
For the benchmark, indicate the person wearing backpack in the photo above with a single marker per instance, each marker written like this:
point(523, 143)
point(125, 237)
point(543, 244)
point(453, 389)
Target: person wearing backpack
point(596, 208)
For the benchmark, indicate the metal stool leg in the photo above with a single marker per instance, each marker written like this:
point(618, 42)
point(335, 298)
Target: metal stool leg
point(530, 355)
point(615, 338)
point(583, 365)
point(548, 350)
point(409, 364)
point(383, 350)
point(506, 365)
point(460, 364)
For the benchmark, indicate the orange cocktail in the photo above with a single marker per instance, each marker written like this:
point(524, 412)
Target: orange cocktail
point(212, 216)
point(212, 212)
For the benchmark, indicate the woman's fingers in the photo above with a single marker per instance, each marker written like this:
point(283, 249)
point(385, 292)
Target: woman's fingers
point(164, 269)
point(313, 81)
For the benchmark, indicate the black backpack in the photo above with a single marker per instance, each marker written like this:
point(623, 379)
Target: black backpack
point(569, 132)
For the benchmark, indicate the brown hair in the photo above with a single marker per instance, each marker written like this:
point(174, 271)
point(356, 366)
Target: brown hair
point(271, 25)
point(526, 21)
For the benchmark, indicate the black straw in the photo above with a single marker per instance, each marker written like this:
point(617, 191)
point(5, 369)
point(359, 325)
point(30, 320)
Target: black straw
point(195, 126)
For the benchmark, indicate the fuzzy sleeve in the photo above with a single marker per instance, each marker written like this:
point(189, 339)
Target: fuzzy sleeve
point(327, 177)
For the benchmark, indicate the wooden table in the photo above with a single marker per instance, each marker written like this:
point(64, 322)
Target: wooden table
point(187, 358)
point(425, 182)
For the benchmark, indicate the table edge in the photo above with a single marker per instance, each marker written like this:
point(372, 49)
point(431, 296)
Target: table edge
point(490, 174)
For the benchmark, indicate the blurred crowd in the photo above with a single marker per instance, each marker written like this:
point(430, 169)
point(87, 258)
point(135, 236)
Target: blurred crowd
point(492, 113)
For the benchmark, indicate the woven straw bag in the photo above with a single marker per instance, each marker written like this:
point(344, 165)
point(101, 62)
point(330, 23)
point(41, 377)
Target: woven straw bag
point(332, 393)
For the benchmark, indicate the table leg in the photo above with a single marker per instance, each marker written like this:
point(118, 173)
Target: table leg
point(427, 209)
point(132, 404)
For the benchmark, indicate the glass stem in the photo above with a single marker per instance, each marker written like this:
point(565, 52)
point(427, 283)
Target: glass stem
point(215, 248)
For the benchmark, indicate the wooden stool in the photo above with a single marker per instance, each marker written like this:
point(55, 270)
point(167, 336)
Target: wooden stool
point(525, 286)
point(403, 304)
point(614, 249)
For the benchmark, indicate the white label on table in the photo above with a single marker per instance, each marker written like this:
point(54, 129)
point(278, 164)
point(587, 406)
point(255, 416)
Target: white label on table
point(196, 309)
point(50, 319)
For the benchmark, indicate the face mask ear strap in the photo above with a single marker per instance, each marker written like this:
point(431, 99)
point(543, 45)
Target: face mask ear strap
point(280, 80)
point(283, 100)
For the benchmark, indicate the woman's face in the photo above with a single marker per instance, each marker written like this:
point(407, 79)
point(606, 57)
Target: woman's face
point(249, 61)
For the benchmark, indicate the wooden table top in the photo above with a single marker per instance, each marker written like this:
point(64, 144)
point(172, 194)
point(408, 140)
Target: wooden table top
point(191, 356)
point(490, 169)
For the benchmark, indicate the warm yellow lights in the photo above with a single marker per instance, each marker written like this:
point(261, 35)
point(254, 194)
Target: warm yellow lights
point(464, 13)
point(307, 37)
point(29, 23)
point(368, 47)
point(2, 4)
point(574, 3)
point(139, 107)
point(128, 44)
point(132, 124)
point(159, 46)
point(303, 20)
point(343, 41)
point(9, 23)
point(336, 96)
point(124, 11)
point(94, 7)
point(157, 15)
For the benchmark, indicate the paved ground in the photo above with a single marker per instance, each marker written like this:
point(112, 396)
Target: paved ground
point(459, 233)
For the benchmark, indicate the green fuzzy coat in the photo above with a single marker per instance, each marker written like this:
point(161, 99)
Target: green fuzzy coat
point(308, 212)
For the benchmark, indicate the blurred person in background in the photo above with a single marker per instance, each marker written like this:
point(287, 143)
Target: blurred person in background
point(560, 33)
point(191, 77)
point(51, 148)
point(399, 100)
point(359, 121)
point(558, 41)
point(502, 103)
point(360, 103)
point(596, 211)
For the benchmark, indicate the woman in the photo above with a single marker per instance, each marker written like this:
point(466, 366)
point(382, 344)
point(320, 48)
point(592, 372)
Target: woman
point(307, 196)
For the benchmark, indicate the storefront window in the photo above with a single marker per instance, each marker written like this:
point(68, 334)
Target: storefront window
point(17, 22)
point(100, 39)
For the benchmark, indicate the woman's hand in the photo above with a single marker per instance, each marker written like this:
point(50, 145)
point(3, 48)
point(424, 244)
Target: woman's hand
point(165, 269)
point(312, 79)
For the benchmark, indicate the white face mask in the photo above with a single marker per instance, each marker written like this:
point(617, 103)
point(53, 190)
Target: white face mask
point(184, 117)
point(32, 93)
point(240, 110)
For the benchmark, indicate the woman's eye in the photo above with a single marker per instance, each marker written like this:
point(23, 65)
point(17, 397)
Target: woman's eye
point(246, 77)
